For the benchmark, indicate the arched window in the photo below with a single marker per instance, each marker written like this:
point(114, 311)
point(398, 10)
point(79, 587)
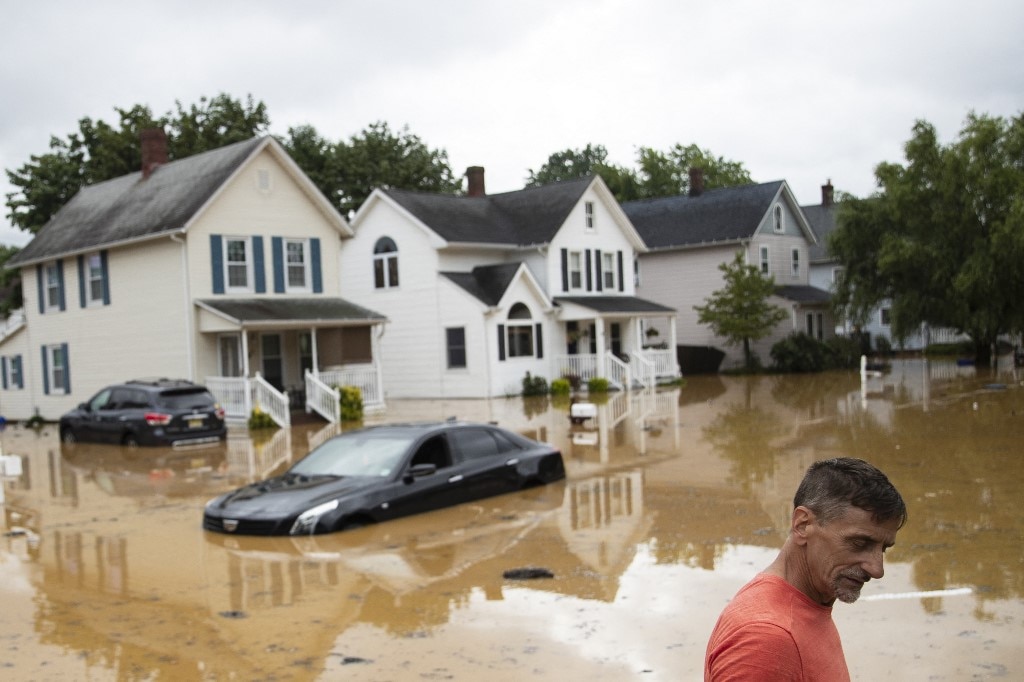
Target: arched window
point(385, 263)
point(520, 331)
point(777, 214)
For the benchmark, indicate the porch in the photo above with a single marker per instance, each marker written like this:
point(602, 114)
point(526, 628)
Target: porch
point(639, 369)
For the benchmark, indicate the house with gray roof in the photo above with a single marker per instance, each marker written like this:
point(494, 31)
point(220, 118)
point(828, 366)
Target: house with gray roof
point(689, 236)
point(482, 290)
point(221, 268)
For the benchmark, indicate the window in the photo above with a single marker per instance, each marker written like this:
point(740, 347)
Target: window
point(810, 324)
point(884, 317)
point(608, 270)
point(575, 270)
point(56, 376)
point(11, 370)
point(236, 264)
point(296, 268)
point(520, 332)
point(94, 279)
point(588, 208)
point(796, 263)
point(385, 264)
point(54, 287)
point(777, 223)
point(765, 269)
point(836, 274)
point(455, 338)
point(636, 272)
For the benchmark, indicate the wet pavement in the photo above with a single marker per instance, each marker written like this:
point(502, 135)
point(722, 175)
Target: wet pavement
point(673, 500)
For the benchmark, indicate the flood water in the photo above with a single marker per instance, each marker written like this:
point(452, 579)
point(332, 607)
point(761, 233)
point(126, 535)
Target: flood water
point(673, 500)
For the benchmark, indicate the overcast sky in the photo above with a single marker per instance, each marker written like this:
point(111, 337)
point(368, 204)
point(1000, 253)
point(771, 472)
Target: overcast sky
point(803, 91)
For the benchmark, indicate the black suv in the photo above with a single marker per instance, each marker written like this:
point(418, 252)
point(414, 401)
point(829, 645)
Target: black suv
point(147, 412)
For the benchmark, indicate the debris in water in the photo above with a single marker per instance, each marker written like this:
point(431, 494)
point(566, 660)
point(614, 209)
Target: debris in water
point(527, 574)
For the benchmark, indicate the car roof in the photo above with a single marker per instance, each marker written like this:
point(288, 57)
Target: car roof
point(162, 383)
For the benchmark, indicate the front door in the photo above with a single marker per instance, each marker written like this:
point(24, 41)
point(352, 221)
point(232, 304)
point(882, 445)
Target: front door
point(270, 350)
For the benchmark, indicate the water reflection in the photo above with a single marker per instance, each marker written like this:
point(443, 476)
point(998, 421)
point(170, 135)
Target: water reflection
point(104, 555)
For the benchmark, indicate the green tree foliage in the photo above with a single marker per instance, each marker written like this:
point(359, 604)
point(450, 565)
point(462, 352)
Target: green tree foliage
point(658, 174)
point(944, 237)
point(100, 151)
point(10, 282)
point(740, 312)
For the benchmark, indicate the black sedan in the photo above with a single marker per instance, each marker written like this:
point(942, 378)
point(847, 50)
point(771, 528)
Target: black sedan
point(382, 472)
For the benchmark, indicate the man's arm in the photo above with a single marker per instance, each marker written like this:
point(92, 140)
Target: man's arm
point(757, 651)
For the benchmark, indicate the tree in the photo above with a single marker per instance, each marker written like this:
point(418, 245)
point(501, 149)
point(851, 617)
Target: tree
point(10, 282)
point(660, 174)
point(378, 157)
point(740, 311)
point(943, 239)
point(100, 151)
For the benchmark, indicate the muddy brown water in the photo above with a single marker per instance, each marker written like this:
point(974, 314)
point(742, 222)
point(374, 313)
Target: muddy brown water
point(673, 500)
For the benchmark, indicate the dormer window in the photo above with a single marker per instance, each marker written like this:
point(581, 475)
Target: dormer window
point(588, 209)
point(777, 223)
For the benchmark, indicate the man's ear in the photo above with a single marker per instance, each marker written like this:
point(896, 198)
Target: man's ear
point(803, 520)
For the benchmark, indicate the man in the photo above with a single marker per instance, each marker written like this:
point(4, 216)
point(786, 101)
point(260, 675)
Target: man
point(779, 625)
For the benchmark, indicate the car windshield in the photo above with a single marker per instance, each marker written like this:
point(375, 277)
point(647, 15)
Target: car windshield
point(184, 400)
point(360, 453)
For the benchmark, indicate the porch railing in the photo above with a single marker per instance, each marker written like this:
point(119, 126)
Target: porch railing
point(619, 373)
point(365, 377)
point(665, 363)
point(322, 399)
point(644, 370)
point(272, 401)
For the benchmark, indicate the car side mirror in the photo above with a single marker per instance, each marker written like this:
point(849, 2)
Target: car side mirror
point(419, 471)
point(84, 407)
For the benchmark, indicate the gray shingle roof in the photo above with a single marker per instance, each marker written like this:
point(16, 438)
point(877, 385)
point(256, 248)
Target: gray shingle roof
point(823, 222)
point(720, 215)
point(521, 218)
point(487, 283)
point(129, 208)
point(293, 310)
point(616, 304)
point(803, 294)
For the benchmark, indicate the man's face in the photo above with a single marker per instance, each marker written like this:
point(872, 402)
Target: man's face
point(845, 553)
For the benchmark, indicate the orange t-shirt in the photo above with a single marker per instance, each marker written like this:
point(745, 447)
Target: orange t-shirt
point(773, 631)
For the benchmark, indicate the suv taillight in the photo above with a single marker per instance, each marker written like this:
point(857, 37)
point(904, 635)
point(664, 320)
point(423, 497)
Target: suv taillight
point(157, 419)
point(219, 411)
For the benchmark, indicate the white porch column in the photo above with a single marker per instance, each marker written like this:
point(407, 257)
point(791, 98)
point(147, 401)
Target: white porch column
point(672, 342)
point(245, 352)
point(312, 346)
point(599, 341)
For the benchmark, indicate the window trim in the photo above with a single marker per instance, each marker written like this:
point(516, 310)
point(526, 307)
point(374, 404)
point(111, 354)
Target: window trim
point(766, 266)
point(795, 263)
point(385, 264)
point(519, 326)
point(575, 271)
point(51, 368)
point(306, 285)
point(778, 219)
point(94, 277)
point(588, 216)
point(453, 348)
point(248, 263)
point(52, 290)
point(608, 269)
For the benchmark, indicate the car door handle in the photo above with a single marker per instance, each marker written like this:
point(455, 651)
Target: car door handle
point(512, 462)
point(455, 479)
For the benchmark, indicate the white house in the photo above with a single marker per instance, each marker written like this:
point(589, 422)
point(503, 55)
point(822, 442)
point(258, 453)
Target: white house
point(480, 291)
point(689, 236)
point(215, 268)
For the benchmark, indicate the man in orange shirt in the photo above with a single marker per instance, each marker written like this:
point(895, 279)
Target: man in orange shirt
point(779, 625)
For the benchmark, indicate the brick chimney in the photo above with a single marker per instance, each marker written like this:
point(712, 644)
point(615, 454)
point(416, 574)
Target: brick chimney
point(475, 181)
point(696, 182)
point(154, 149)
point(826, 193)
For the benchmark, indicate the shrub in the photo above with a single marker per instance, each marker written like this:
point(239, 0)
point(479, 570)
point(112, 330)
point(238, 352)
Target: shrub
point(561, 387)
point(597, 385)
point(258, 419)
point(799, 352)
point(883, 345)
point(351, 400)
point(845, 351)
point(534, 385)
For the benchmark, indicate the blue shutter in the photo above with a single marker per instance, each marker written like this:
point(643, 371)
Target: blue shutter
point(217, 262)
point(501, 342)
point(106, 277)
point(590, 276)
point(67, 368)
point(81, 281)
point(60, 283)
point(600, 276)
point(277, 254)
point(258, 266)
point(46, 373)
point(622, 280)
point(540, 341)
point(314, 256)
point(39, 288)
point(3, 371)
point(565, 270)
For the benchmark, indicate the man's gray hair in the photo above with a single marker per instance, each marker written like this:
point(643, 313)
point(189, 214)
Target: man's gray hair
point(831, 486)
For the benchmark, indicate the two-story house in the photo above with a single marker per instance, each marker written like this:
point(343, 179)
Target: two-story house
point(220, 268)
point(481, 290)
point(689, 236)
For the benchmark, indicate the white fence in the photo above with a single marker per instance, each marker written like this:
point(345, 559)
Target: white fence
point(239, 395)
point(364, 377)
point(322, 399)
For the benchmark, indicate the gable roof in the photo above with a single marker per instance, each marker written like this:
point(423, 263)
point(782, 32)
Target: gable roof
point(727, 214)
point(488, 283)
point(823, 221)
point(615, 304)
point(130, 209)
point(803, 294)
point(523, 217)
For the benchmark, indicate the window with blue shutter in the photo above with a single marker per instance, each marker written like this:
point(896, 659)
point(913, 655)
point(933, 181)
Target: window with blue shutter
point(277, 256)
point(217, 262)
point(314, 257)
point(259, 269)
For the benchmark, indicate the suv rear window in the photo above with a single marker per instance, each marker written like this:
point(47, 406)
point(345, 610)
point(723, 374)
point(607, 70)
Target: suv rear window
point(185, 399)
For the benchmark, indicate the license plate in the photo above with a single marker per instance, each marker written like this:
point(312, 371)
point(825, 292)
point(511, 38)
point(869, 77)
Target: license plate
point(196, 423)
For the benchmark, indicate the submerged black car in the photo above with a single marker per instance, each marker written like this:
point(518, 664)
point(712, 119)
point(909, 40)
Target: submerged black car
point(147, 412)
point(382, 472)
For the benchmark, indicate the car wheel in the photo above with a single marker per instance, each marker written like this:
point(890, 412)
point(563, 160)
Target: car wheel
point(68, 436)
point(130, 440)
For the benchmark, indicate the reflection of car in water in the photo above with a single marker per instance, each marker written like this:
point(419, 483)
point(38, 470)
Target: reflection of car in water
point(383, 472)
point(147, 412)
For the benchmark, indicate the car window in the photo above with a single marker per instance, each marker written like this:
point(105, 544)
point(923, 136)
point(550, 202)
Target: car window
point(434, 451)
point(356, 454)
point(184, 400)
point(473, 444)
point(506, 442)
point(100, 400)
